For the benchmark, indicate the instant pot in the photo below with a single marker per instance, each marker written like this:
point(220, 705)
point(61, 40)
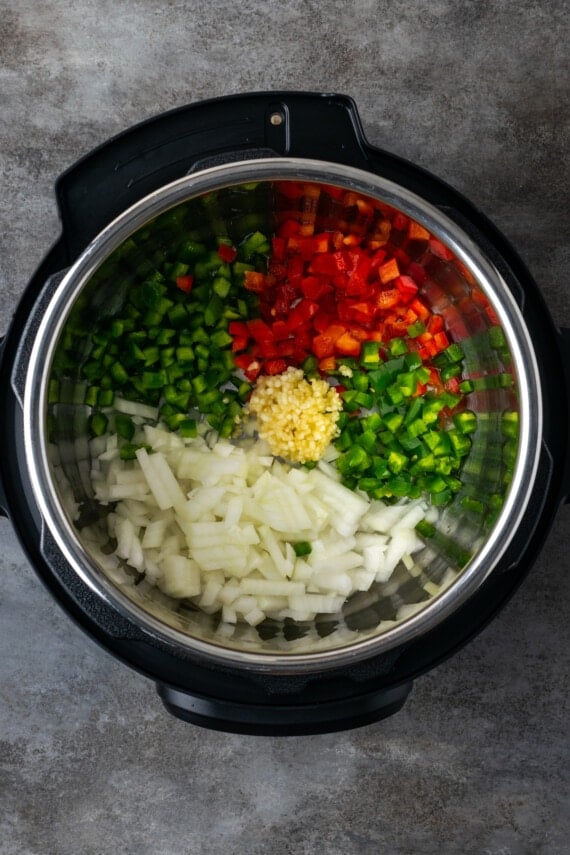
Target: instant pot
point(295, 678)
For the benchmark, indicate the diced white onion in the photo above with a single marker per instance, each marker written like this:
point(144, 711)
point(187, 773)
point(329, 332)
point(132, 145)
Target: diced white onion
point(218, 523)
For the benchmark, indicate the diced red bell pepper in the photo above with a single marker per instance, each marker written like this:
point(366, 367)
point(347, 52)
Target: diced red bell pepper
point(388, 299)
point(288, 228)
point(352, 240)
point(361, 312)
point(335, 331)
point(327, 364)
point(377, 259)
point(274, 366)
point(227, 253)
point(315, 287)
point(278, 248)
point(325, 264)
point(239, 328)
point(357, 284)
point(417, 231)
point(322, 320)
point(439, 249)
point(400, 221)
point(266, 349)
point(259, 330)
point(347, 345)
point(323, 345)
point(420, 309)
point(388, 271)
point(302, 313)
point(441, 340)
point(250, 366)
point(280, 330)
point(239, 343)
point(255, 281)
point(435, 324)
point(407, 287)
point(185, 283)
point(452, 385)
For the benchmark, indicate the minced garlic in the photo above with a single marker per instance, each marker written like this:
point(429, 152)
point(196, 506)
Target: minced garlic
point(297, 417)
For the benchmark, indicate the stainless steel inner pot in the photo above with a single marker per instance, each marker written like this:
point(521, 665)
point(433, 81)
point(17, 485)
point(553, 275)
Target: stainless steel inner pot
point(60, 467)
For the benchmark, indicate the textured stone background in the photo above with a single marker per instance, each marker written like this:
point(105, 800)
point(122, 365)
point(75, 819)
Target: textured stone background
point(477, 762)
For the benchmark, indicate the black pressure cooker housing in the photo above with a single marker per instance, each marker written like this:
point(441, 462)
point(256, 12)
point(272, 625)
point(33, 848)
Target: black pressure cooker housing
point(89, 196)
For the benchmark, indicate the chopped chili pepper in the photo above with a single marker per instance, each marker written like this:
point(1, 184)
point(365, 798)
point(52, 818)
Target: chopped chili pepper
point(185, 283)
point(227, 253)
point(254, 281)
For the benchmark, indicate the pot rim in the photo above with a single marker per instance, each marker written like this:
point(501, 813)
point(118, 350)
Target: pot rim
point(465, 249)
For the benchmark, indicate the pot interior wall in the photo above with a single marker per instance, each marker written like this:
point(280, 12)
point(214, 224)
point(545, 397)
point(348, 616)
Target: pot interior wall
point(183, 241)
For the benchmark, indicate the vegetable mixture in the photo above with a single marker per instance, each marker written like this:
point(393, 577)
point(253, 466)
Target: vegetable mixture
point(316, 364)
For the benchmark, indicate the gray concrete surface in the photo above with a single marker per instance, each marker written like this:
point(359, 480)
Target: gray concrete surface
point(477, 762)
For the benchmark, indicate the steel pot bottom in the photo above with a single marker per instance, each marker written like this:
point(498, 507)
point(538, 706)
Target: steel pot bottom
point(470, 533)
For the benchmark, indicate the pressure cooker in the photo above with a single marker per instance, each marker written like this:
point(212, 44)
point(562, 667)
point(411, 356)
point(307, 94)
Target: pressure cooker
point(283, 185)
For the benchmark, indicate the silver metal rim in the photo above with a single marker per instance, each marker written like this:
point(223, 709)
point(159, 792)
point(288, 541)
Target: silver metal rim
point(487, 276)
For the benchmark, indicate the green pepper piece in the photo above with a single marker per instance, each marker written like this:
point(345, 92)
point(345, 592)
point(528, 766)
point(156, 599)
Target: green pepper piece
point(370, 353)
point(397, 462)
point(465, 422)
point(153, 379)
point(98, 424)
point(302, 547)
point(124, 426)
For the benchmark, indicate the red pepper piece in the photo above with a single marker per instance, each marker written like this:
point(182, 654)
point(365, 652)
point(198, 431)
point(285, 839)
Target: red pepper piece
point(259, 330)
point(274, 366)
point(347, 345)
point(301, 313)
point(254, 281)
point(335, 331)
point(441, 340)
point(278, 248)
point(420, 309)
point(280, 330)
point(362, 313)
point(250, 366)
point(400, 221)
point(267, 349)
point(185, 283)
point(388, 271)
point(238, 328)
point(227, 253)
point(315, 287)
point(322, 320)
point(358, 280)
point(323, 346)
point(327, 364)
point(288, 228)
point(377, 259)
point(407, 287)
point(325, 263)
point(239, 343)
point(388, 299)
point(435, 324)
point(439, 249)
point(417, 232)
